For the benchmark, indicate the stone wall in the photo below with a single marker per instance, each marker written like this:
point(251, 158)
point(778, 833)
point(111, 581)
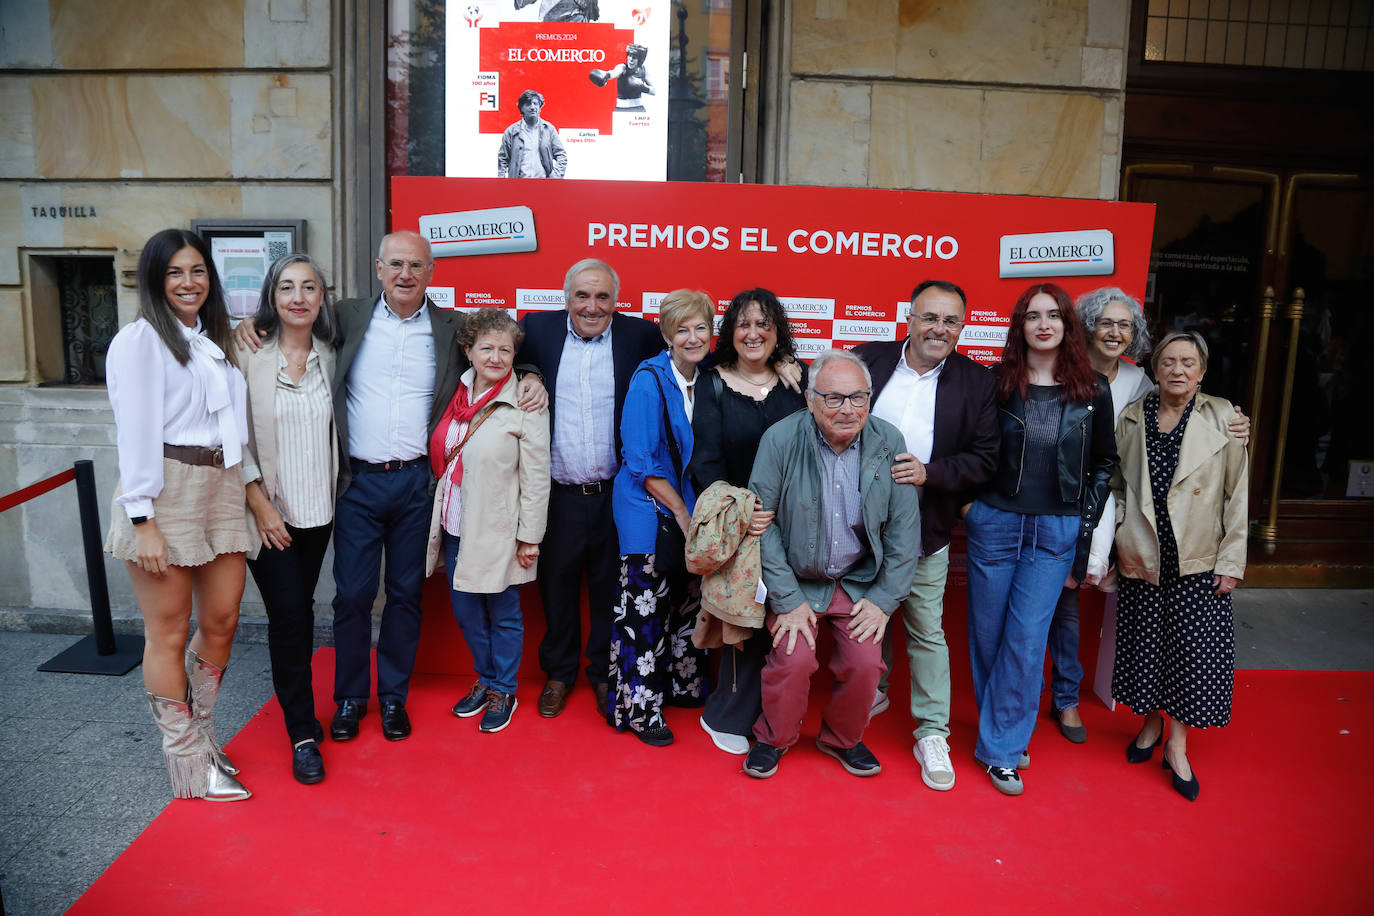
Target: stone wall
point(978, 95)
point(119, 118)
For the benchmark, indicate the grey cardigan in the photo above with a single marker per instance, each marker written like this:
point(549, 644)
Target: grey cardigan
point(787, 478)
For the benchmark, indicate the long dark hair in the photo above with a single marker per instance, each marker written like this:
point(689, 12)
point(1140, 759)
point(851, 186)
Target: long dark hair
point(725, 355)
point(1072, 368)
point(326, 326)
point(153, 307)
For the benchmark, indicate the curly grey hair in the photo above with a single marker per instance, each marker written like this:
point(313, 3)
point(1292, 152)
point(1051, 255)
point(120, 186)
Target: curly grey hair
point(1091, 305)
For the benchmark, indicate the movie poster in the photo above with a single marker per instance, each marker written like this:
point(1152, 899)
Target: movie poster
point(557, 89)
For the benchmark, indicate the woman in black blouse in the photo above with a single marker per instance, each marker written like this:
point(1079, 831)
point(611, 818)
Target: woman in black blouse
point(737, 400)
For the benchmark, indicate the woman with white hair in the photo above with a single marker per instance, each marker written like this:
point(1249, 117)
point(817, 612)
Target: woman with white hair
point(1118, 338)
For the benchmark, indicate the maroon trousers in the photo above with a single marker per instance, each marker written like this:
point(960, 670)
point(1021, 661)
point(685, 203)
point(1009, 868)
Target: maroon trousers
point(787, 682)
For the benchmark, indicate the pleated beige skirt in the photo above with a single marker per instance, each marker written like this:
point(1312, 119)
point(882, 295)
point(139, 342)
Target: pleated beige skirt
point(200, 513)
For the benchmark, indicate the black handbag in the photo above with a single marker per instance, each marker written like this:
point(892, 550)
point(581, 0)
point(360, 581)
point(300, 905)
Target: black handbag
point(670, 544)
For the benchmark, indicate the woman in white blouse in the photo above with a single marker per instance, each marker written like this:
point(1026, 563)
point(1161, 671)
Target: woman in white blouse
point(178, 518)
point(291, 469)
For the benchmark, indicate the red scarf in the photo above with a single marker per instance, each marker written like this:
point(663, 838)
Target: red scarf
point(462, 410)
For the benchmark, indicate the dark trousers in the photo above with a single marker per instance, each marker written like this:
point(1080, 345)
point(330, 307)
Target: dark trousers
point(380, 511)
point(580, 538)
point(287, 578)
point(737, 699)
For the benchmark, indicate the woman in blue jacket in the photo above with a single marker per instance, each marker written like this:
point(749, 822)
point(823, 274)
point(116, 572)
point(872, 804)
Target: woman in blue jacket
point(653, 660)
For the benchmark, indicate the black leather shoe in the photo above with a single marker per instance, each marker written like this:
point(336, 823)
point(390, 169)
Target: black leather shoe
point(344, 726)
point(1137, 754)
point(762, 760)
point(395, 722)
point(307, 765)
point(857, 760)
point(1188, 789)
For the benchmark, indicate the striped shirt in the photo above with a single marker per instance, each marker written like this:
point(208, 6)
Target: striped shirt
point(845, 540)
point(303, 414)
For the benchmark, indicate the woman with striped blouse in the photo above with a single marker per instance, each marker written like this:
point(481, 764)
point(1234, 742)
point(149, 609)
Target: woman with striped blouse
point(292, 466)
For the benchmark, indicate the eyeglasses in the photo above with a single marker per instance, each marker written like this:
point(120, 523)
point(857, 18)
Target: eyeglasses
point(929, 320)
point(1124, 326)
point(834, 399)
point(416, 267)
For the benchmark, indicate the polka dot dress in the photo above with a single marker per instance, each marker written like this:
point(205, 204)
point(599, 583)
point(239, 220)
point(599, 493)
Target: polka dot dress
point(1175, 642)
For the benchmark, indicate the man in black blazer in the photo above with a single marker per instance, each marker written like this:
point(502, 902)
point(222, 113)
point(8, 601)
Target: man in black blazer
point(586, 354)
point(944, 404)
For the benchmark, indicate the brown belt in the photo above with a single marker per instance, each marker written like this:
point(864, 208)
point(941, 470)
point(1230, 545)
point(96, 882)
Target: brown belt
point(195, 454)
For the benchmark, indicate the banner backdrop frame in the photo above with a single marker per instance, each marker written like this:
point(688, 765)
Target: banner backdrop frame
point(843, 260)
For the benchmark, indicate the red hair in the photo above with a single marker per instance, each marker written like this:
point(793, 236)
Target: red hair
point(1073, 370)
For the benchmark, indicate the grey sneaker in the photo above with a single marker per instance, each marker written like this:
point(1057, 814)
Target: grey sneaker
point(1005, 780)
point(1024, 762)
point(932, 753)
point(880, 703)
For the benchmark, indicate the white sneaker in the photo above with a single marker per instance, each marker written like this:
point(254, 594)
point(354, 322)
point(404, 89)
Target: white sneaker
point(730, 744)
point(932, 753)
point(880, 704)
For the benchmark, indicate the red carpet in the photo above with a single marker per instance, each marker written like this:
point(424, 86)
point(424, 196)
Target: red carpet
point(566, 816)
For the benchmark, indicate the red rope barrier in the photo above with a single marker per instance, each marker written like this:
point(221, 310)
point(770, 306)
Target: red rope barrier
point(37, 489)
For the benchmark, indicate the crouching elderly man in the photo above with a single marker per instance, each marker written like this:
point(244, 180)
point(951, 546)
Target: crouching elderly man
point(842, 547)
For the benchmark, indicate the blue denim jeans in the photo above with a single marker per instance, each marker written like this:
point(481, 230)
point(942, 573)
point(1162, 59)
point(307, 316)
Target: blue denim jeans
point(1066, 670)
point(491, 625)
point(1017, 565)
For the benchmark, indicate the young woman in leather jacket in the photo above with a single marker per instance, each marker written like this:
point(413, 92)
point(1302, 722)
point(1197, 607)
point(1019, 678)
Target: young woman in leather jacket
point(1030, 529)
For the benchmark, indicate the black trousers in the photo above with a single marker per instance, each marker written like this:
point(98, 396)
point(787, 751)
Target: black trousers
point(580, 538)
point(287, 578)
point(736, 701)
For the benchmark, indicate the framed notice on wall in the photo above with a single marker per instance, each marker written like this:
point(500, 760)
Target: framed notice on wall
point(243, 249)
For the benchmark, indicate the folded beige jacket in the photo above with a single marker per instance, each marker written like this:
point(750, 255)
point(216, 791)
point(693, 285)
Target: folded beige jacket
point(721, 550)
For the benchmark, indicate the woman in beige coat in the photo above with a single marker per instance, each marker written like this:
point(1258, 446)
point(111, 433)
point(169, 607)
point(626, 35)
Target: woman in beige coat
point(290, 469)
point(1181, 509)
point(490, 505)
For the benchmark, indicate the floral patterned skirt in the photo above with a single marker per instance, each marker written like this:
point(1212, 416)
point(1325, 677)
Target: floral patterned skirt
point(653, 661)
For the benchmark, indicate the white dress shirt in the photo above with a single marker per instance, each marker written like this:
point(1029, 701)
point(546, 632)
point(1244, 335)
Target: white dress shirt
point(391, 387)
point(157, 400)
point(908, 403)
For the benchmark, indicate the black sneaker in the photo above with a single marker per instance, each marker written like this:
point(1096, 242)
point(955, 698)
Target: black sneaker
point(655, 736)
point(1004, 779)
point(762, 760)
point(857, 760)
point(500, 708)
point(473, 703)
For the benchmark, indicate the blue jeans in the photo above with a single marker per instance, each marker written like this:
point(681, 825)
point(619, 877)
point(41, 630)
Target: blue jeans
point(491, 625)
point(1017, 565)
point(1066, 670)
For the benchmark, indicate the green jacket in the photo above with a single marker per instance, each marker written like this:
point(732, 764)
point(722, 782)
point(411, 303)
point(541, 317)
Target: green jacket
point(787, 478)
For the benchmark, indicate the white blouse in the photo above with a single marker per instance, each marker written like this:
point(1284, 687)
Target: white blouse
point(157, 400)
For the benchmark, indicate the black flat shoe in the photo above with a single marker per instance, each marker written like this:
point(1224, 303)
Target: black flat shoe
point(344, 726)
point(395, 722)
point(307, 765)
point(1075, 733)
point(1187, 788)
point(658, 736)
point(1137, 754)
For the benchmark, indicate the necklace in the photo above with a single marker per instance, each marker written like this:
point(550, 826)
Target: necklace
point(293, 362)
point(764, 385)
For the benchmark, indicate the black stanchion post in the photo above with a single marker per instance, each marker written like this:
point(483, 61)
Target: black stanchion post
point(104, 652)
point(95, 561)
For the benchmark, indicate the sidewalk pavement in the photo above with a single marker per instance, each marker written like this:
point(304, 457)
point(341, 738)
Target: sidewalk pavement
point(81, 764)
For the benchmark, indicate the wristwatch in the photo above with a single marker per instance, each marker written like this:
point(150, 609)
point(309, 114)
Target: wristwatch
point(139, 519)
